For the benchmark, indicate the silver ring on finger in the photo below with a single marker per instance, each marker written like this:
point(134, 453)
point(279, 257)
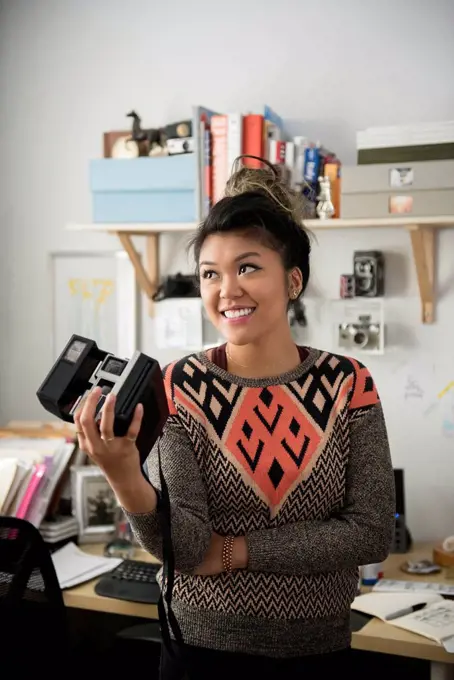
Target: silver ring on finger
point(132, 439)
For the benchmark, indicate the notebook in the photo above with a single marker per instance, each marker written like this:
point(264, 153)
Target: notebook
point(426, 614)
point(74, 566)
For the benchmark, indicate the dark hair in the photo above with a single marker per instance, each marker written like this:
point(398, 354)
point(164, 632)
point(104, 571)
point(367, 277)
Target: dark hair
point(258, 200)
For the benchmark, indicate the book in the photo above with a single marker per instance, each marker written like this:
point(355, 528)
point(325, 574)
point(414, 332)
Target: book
point(426, 614)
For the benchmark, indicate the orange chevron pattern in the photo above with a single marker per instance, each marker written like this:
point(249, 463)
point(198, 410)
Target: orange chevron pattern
point(272, 441)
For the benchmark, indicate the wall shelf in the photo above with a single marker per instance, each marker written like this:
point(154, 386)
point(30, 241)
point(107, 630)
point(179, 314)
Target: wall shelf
point(422, 232)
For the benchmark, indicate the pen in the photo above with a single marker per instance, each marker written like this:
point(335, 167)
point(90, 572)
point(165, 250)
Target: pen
point(404, 612)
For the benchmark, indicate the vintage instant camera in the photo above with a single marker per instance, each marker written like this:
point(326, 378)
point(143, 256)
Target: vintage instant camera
point(362, 334)
point(82, 366)
point(369, 273)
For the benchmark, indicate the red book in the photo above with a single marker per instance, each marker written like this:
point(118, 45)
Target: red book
point(253, 138)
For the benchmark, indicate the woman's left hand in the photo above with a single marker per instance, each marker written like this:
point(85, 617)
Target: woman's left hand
point(212, 562)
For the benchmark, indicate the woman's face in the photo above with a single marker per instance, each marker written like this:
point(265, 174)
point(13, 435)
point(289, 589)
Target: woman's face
point(244, 287)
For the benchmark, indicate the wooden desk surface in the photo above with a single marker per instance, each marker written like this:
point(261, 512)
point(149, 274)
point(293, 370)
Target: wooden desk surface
point(376, 636)
point(84, 596)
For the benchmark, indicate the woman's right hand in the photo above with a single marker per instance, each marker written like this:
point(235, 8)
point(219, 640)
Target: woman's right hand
point(118, 457)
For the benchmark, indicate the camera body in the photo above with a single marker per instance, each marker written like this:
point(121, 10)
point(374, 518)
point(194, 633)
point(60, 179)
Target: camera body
point(82, 366)
point(362, 334)
point(369, 273)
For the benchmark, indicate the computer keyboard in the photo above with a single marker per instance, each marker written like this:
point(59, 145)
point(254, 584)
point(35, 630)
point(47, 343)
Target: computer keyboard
point(132, 580)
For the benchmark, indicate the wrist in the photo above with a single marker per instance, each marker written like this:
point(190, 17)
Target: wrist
point(134, 493)
point(239, 553)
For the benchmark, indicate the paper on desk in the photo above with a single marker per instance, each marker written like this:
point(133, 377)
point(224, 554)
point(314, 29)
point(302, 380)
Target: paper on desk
point(74, 566)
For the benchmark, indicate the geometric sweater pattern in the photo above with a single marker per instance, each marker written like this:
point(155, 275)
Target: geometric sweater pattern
point(273, 456)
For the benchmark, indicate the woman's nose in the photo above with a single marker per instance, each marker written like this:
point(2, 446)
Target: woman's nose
point(230, 288)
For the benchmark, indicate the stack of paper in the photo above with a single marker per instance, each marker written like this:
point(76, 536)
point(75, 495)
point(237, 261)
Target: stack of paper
point(73, 566)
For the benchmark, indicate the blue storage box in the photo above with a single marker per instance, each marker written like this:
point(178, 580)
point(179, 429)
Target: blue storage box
point(160, 189)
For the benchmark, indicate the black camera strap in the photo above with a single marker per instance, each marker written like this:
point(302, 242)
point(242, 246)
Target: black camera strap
point(168, 569)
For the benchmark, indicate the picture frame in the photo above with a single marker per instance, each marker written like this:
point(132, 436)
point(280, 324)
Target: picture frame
point(94, 294)
point(94, 504)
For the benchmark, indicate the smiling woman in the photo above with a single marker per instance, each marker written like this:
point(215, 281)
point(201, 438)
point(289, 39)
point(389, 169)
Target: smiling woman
point(252, 256)
point(276, 459)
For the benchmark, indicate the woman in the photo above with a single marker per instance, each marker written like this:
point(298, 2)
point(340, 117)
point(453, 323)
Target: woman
point(276, 459)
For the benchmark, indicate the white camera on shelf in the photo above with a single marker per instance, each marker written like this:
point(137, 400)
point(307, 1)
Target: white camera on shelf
point(361, 335)
point(359, 326)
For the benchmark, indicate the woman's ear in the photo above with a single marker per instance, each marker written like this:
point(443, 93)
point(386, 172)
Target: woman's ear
point(295, 282)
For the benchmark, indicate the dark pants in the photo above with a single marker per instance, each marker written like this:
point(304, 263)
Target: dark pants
point(207, 664)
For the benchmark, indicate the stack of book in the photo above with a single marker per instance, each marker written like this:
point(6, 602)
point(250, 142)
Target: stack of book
point(300, 160)
point(35, 461)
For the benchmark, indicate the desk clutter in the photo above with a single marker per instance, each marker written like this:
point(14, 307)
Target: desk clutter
point(35, 459)
point(424, 613)
point(74, 566)
point(47, 480)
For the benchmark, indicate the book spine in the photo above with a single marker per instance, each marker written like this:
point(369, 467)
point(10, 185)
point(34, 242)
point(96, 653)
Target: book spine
point(277, 152)
point(208, 188)
point(253, 139)
point(234, 139)
point(333, 171)
point(31, 490)
point(219, 156)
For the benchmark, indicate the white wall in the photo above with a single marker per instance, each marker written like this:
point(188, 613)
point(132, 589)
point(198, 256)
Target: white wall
point(70, 70)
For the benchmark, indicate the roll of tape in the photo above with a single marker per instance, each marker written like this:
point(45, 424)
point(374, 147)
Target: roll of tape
point(448, 544)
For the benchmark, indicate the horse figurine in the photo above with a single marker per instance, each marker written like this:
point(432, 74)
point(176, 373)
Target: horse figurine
point(153, 137)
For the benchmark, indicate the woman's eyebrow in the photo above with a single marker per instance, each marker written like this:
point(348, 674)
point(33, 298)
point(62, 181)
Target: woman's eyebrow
point(243, 256)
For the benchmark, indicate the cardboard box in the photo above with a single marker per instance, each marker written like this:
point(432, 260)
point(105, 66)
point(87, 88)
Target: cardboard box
point(384, 190)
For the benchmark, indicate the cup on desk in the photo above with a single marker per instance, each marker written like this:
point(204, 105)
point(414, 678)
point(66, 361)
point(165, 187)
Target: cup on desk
point(371, 573)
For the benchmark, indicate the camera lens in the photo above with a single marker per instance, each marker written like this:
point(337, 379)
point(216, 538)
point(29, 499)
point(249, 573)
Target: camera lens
point(360, 338)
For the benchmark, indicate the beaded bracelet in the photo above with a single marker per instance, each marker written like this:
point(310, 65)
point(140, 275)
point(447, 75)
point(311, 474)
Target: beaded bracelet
point(227, 553)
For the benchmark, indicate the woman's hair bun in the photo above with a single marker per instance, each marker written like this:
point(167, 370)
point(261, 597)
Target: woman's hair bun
point(268, 180)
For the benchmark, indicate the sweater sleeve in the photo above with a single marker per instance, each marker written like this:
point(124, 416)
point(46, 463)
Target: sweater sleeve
point(360, 533)
point(190, 525)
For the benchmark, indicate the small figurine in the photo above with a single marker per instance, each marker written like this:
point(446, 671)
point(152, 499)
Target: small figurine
point(325, 208)
point(154, 137)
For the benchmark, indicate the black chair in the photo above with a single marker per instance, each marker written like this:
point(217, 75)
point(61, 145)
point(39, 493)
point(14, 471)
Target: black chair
point(33, 623)
point(141, 640)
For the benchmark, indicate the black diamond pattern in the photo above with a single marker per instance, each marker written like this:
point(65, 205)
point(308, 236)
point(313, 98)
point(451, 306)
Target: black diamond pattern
point(295, 427)
point(247, 429)
point(275, 473)
point(266, 397)
point(369, 384)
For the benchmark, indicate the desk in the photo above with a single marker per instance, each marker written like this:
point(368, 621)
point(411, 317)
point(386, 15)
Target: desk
point(376, 636)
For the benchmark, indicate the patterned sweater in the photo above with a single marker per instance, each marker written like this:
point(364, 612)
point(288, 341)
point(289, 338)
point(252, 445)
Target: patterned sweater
point(299, 465)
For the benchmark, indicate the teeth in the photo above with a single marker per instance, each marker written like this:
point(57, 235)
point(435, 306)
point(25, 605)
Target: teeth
point(236, 313)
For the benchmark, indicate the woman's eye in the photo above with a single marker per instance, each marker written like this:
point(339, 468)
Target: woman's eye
point(208, 274)
point(247, 268)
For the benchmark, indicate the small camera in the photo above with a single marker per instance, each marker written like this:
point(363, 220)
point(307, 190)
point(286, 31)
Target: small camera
point(369, 273)
point(82, 366)
point(363, 334)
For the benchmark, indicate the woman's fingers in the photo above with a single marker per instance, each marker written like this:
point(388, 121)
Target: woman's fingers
point(107, 418)
point(87, 417)
point(134, 428)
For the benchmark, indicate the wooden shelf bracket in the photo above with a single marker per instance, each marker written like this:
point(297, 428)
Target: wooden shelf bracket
point(147, 277)
point(423, 245)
